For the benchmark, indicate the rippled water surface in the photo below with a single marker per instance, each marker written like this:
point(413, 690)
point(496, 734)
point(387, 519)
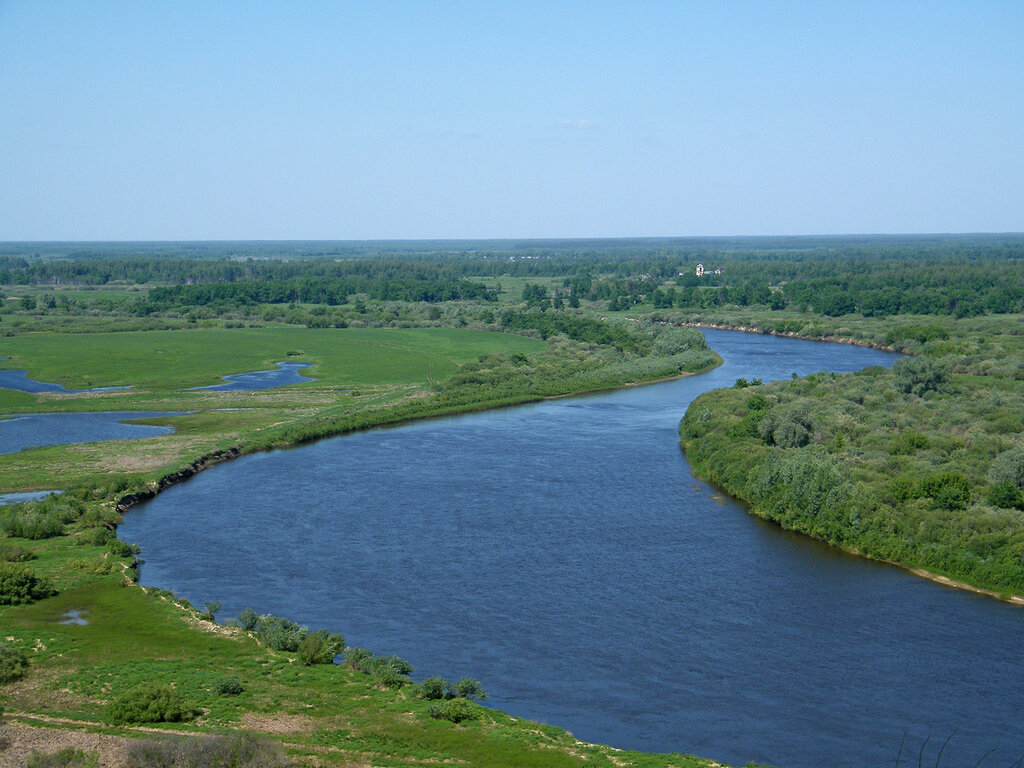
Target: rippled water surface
point(563, 554)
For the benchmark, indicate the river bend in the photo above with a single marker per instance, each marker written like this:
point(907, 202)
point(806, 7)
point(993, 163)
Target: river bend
point(563, 554)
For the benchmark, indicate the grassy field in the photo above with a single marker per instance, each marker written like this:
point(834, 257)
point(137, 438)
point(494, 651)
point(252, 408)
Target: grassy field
point(355, 369)
point(164, 360)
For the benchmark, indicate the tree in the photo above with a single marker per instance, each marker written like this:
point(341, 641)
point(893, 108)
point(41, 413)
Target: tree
point(917, 375)
point(211, 606)
point(1008, 467)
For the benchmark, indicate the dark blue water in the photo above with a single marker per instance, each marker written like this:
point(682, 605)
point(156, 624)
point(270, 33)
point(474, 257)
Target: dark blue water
point(564, 555)
point(287, 373)
point(32, 430)
point(20, 381)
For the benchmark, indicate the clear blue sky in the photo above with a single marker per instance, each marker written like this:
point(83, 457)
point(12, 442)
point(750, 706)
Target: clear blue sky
point(275, 120)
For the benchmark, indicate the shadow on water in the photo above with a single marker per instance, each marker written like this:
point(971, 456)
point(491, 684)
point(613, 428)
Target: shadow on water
point(564, 554)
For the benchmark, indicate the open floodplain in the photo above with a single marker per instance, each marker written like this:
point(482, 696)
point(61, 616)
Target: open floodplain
point(562, 551)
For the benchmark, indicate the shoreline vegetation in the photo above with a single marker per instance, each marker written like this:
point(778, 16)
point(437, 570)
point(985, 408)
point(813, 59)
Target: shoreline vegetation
point(922, 466)
point(886, 465)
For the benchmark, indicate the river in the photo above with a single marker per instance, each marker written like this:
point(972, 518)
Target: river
point(563, 554)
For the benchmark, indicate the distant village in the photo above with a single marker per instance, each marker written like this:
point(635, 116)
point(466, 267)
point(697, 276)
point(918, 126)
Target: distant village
point(700, 271)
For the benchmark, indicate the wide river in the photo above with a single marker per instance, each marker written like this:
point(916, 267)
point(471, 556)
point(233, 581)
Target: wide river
point(563, 554)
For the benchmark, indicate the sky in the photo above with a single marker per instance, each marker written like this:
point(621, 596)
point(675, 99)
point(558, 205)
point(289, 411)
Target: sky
point(184, 120)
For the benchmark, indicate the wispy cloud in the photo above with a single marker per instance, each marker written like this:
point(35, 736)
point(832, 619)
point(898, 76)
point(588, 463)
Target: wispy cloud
point(578, 124)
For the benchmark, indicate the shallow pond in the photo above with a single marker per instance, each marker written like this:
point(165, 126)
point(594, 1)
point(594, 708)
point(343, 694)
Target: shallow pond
point(18, 498)
point(287, 373)
point(563, 554)
point(32, 430)
point(19, 380)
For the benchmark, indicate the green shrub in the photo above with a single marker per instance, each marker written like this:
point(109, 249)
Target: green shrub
point(13, 664)
point(673, 341)
point(468, 688)
point(786, 430)
point(229, 686)
point(280, 634)
point(210, 609)
point(434, 688)
point(96, 537)
point(949, 490)
point(917, 375)
point(14, 553)
point(455, 710)
point(120, 548)
point(1005, 495)
point(908, 443)
point(241, 750)
point(389, 671)
point(248, 618)
point(320, 647)
point(1008, 467)
point(357, 657)
point(149, 703)
point(31, 524)
point(18, 585)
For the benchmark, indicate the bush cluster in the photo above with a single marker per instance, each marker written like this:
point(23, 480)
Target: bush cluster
point(455, 710)
point(13, 664)
point(19, 585)
point(282, 634)
point(229, 686)
point(388, 671)
point(150, 703)
point(439, 688)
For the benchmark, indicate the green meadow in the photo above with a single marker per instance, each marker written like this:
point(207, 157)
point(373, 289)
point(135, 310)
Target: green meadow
point(166, 360)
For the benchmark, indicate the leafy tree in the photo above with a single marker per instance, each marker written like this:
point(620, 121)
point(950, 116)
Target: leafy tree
point(211, 607)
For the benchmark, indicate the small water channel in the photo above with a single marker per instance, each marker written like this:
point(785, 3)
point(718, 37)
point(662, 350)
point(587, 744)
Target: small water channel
point(19, 380)
point(564, 554)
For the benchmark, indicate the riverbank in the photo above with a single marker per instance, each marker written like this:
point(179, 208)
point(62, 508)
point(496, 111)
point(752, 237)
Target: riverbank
point(795, 335)
point(895, 476)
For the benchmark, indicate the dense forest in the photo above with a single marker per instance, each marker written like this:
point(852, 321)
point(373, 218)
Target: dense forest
point(953, 276)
